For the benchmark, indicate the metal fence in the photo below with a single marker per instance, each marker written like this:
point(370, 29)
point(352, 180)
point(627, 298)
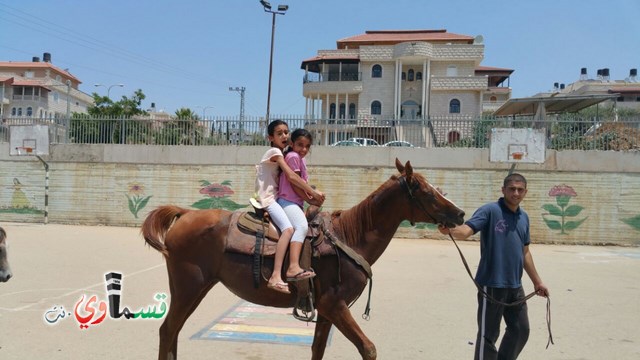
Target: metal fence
point(565, 132)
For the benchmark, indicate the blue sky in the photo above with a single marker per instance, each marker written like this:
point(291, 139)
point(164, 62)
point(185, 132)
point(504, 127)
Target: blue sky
point(188, 53)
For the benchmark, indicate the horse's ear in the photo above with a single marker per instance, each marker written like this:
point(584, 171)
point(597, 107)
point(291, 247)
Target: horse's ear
point(408, 169)
point(399, 166)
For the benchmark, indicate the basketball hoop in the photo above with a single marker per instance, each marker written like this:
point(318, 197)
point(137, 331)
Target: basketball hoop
point(517, 155)
point(24, 150)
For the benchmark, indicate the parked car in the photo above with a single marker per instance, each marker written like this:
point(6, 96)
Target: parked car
point(346, 143)
point(398, 143)
point(365, 141)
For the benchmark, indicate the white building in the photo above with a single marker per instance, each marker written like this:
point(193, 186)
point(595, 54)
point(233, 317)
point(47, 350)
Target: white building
point(39, 89)
point(400, 75)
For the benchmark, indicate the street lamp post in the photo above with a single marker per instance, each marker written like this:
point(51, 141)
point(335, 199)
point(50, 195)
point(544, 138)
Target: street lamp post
point(204, 109)
point(108, 88)
point(281, 11)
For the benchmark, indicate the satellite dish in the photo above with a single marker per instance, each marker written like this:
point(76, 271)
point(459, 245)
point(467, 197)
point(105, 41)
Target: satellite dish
point(478, 40)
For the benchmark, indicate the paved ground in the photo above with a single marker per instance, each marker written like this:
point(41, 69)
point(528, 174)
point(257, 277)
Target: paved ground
point(423, 304)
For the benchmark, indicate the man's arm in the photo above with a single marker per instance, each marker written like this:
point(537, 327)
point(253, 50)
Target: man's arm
point(459, 232)
point(530, 268)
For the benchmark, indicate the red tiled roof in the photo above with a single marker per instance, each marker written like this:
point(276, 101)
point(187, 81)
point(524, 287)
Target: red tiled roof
point(332, 57)
point(29, 82)
point(34, 65)
point(398, 36)
point(491, 68)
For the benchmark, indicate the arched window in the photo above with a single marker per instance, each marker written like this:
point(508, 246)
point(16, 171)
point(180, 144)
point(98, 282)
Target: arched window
point(453, 136)
point(352, 111)
point(13, 111)
point(19, 111)
point(376, 108)
point(452, 70)
point(419, 76)
point(410, 75)
point(404, 75)
point(29, 111)
point(454, 106)
point(332, 111)
point(493, 99)
point(343, 110)
point(376, 71)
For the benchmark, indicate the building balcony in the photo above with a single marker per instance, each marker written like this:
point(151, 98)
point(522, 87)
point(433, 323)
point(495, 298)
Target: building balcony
point(331, 83)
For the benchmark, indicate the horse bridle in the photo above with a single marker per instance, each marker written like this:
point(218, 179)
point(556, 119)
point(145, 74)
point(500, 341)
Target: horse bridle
point(404, 184)
point(410, 189)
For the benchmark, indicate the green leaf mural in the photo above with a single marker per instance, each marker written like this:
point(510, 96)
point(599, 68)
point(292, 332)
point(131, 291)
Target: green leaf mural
point(136, 199)
point(563, 194)
point(217, 196)
point(634, 222)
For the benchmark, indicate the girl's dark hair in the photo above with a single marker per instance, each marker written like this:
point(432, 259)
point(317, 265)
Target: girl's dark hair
point(295, 135)
point(271, 129)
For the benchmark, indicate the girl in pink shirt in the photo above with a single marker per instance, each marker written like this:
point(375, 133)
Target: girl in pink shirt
point(292, 197)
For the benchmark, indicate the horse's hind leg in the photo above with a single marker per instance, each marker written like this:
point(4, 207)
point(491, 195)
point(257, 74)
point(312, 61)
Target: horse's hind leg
point(188, 288)
point(320, 337)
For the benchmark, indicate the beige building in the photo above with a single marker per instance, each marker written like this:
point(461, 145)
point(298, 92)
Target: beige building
point(385, 77)
point(627, 90)
point(40, 90)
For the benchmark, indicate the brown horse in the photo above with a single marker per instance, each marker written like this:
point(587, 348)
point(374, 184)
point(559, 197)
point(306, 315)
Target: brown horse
point(5, 269)
point(193, 244)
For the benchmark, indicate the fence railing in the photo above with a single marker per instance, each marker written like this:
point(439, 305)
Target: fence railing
point(562, 132)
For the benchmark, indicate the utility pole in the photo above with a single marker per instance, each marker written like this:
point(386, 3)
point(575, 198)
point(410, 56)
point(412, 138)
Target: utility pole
point(241, 91)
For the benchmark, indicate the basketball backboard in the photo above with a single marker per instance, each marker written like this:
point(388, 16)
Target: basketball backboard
point(517, 145)
point(29, 140)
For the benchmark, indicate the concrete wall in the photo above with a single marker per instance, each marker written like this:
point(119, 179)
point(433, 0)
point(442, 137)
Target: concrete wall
point(112, 184)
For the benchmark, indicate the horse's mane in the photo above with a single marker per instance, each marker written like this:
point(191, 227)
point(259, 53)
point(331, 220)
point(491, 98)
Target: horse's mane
point(357, 220)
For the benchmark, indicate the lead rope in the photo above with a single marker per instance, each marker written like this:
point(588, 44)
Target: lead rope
point(496, 301)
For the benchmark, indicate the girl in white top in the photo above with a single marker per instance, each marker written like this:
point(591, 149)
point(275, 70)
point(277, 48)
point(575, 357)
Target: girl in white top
point(267, 175)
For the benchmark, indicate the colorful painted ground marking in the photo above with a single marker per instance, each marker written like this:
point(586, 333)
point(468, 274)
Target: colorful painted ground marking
point(255, 323)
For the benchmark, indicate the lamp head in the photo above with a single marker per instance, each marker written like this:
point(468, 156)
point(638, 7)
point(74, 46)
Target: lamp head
point(265, 4)
point(283, 8)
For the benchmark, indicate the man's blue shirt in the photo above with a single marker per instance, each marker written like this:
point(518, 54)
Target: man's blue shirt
point(503, 236)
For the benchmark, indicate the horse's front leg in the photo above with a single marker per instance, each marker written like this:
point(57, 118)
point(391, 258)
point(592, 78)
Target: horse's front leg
point(341, 317)
point(320, 337)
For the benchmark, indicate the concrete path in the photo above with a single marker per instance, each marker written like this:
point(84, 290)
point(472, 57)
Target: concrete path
point(423, 304)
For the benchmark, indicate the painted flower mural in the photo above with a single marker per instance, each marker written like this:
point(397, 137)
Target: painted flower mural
point(562, 209)
point(217, 196)
point(136, 199)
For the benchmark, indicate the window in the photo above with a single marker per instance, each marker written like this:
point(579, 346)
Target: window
point(419, 76)
point(493, 99)
point(452, 70)
point(376, 71)
point(20, 111)
point(343, 109)
point(56, 96)
point(376, 108)
point(13, 111)
point(454, 106)
point(453, 136)
point(332, 111)
point(29, 111)
point(404, 76)
point(352, 111)
point(410, 75)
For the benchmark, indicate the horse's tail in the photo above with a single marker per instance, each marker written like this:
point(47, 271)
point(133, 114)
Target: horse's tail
point(157, 224)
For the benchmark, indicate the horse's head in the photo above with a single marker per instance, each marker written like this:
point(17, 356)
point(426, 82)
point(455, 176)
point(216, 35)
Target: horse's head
point(429, 204)
point(5, 270)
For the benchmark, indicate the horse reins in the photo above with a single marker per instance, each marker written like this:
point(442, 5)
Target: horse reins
point(405, 185)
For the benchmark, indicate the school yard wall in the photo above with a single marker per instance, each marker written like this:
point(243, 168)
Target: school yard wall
point(119, 184)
